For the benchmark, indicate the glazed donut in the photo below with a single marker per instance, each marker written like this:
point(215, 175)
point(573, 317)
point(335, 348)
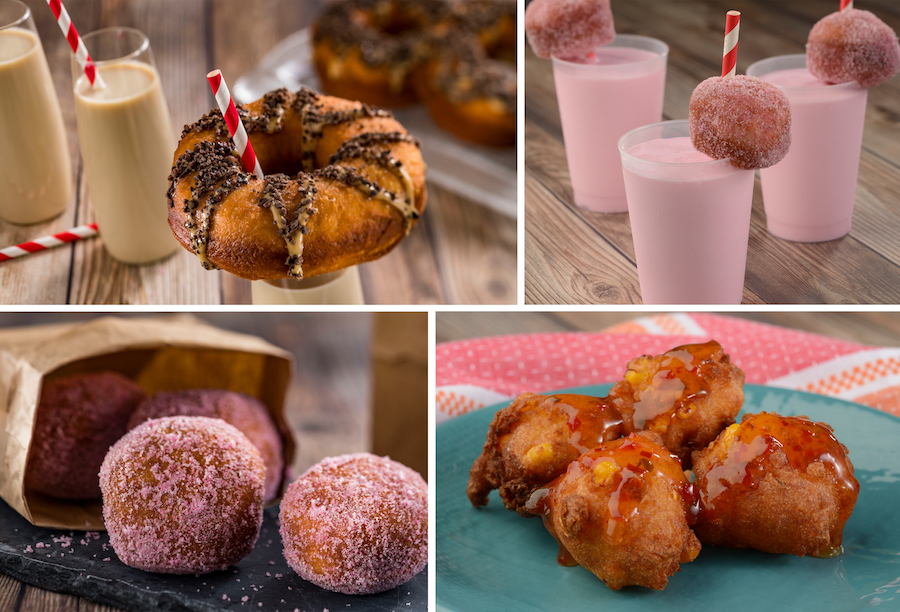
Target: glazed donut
point(243, 411)
point(78, 418)
point(182, 495)
point(456, 58)
point(367, 49)
point(359, 187)
point(356, 524)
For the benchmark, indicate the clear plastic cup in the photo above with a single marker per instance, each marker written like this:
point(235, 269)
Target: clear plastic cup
point(690, 221)
point(598, 102)
point(809, 195)
point(127, 144)
point(35, 168)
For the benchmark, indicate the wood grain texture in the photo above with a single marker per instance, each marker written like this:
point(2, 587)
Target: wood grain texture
point(573, 256)
point(328, 406)
point(875, 328)
point(189, 38)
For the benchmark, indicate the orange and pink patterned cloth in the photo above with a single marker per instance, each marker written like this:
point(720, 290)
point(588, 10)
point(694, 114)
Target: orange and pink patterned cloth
point(471, 374)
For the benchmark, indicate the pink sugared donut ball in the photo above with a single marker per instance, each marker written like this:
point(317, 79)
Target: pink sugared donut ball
point(356, 524)
point(183, 495)
point(852, 45)
point(568, 28)
point(246, 413)
point(78, 418)
point(743, 119)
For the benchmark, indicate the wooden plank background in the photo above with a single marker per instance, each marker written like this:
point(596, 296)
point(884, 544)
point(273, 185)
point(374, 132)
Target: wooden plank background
point(460, 253)
point(574, 256)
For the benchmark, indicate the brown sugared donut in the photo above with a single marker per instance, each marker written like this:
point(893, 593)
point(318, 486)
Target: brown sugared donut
point(246, 413)
point(359, 187)
point(356, 524)
point(367, 49)
point(469, 83)
point(182, 495)
point(78, 418)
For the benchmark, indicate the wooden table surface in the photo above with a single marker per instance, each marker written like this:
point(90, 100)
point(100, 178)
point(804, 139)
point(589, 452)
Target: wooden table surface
point(574, 256)
point(328, 405)
point(460, 253)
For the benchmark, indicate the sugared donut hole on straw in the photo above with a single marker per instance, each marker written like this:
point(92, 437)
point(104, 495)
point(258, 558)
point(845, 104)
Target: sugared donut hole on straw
point(852, 45)
point(743, 119)
point(182, 495)
point(569, 29)
point(356, 524)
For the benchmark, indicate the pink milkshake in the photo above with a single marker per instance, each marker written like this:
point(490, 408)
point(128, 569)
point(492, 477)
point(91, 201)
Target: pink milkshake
point(600, 98)
point(690, 217)
point(809, 195)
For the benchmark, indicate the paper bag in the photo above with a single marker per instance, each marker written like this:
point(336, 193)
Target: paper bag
point(400, 389)
point(159, 354)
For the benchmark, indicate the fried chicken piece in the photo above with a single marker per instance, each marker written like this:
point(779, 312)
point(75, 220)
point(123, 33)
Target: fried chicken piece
point(531, 441)
point(688, 395)
point(777, 484)
point(622, 511)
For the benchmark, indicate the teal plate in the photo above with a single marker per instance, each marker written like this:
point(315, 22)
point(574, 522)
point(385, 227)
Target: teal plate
point(492, 559)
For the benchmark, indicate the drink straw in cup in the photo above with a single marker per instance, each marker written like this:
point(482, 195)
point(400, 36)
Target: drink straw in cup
point(729, 55)
point(233, 121)
point(48, 242)
point(81, 53)
point(846, 4)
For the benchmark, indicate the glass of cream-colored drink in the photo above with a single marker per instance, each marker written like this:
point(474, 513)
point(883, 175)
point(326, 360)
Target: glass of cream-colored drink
point(35, 169)
point(127, 145)
point(334, 288)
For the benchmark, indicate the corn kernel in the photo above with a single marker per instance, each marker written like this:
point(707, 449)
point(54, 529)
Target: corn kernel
point(538, 454)
point(604, 471)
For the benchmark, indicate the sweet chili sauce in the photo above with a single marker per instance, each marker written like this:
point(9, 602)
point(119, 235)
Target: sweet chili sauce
point(745, 458)
point(588, 421)
point(681, 379)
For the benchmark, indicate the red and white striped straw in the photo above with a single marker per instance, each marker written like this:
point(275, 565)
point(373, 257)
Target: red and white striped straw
point(48, 242)
point(81, 53)
point(233, 121)
point(729, 54)
point(846, 4)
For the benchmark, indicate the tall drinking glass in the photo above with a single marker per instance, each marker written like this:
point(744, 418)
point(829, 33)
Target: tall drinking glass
point(690, 217)
point(127, 145)
point(809, 195)
point(35, 169)
point(600, 98)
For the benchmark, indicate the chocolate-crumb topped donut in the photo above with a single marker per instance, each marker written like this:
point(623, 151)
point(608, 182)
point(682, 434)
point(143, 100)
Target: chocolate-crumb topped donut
point(367, 49)
point(457, 58)
point(344, 184)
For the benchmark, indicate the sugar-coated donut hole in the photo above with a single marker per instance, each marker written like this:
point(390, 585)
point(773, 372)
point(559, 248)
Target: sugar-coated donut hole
point(246, 413)
point(853, 45)
point(568, 28)
point(743, 119)
point(356, 524)
point(78, 418)
point(182, 495)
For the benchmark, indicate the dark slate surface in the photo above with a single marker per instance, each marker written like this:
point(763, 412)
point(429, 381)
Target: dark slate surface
point(85, 564)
